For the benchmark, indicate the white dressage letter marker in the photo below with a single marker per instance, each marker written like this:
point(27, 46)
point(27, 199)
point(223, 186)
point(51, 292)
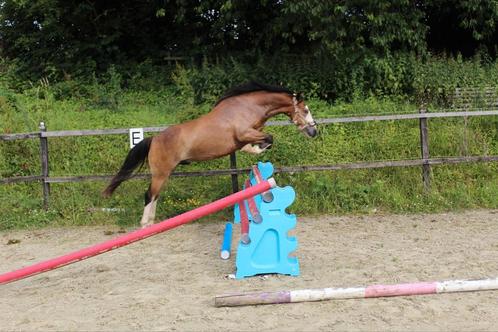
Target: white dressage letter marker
point(136, 135)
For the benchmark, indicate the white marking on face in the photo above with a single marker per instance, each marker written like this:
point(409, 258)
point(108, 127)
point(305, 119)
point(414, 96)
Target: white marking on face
point(308, 117)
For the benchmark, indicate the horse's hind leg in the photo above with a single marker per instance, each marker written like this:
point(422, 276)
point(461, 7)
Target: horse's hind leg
point(162, 161)
point(151, 196)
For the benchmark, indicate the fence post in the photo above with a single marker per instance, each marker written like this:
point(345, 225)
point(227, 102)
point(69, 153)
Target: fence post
point(44, 165)
point(424, 146)
point(235, 177)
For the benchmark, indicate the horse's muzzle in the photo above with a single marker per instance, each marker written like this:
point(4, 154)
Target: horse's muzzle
point(310, 131)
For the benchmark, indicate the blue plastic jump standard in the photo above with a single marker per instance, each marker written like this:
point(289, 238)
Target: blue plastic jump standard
point(227, 241)
point(270, 248)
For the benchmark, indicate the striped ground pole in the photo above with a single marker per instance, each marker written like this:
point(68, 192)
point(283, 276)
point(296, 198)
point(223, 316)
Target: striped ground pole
point(322, 294)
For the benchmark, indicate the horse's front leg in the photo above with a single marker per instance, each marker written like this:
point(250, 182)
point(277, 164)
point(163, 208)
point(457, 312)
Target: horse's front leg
point(256, 141)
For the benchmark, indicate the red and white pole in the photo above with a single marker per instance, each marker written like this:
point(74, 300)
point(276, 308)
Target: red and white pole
point(138, 234)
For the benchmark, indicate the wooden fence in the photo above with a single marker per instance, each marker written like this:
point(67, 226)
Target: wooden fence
point(425, 161)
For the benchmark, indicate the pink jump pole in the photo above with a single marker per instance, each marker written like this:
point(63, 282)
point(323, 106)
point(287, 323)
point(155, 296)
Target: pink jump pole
point(267, 195)
point(244, 224)
point(138, 234)
point(256, 217)
point(322, 294)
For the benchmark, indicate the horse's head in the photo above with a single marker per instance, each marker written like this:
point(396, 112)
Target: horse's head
point(301, 116)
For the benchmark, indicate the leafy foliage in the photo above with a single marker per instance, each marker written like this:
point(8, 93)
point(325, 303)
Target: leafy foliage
point(54, 39)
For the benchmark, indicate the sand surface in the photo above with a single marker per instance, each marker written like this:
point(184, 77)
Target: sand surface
point(168, 282)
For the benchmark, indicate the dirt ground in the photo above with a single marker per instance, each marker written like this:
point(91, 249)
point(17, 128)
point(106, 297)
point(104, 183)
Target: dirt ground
point(168, 282)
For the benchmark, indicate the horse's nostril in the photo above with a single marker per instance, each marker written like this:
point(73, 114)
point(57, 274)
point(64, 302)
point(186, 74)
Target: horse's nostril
point(311, 131)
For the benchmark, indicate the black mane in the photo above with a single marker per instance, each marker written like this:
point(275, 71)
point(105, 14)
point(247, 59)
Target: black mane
point(252, 87)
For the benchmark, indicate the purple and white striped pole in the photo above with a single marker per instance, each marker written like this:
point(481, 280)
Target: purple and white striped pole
point(322, 294)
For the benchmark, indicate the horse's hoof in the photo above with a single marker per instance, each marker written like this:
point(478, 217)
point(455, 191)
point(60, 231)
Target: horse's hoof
point(265, 146)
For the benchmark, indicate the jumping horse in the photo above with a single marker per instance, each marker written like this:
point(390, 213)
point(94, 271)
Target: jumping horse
point(235, 123)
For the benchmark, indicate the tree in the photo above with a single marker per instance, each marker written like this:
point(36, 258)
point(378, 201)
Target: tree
point(462, 26)
point(49, 37)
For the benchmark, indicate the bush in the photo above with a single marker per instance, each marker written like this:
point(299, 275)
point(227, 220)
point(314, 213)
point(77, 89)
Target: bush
point(430, 80)
point(435, 79)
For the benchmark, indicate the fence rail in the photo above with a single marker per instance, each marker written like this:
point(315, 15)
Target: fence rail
point(281, 169)
point(425, 161)
point(366, 118)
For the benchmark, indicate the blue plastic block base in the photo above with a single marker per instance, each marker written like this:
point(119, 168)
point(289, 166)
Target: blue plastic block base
point(270, 247)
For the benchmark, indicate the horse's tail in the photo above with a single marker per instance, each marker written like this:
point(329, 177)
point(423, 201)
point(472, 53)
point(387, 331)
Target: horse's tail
point(135, 158)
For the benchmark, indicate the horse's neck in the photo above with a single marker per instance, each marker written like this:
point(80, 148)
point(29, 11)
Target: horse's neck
point(278, 103)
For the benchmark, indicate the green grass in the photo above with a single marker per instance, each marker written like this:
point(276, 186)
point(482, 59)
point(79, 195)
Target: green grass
point(388, 190)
